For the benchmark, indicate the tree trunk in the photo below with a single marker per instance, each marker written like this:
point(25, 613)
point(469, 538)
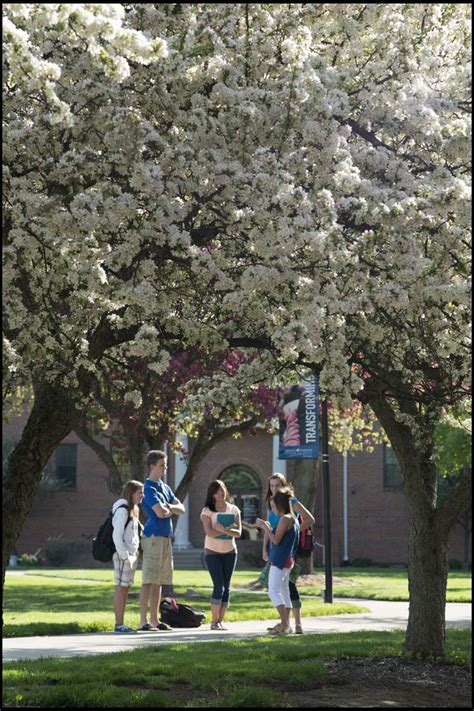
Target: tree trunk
point(137, 459)
point(427, 582)
point(466, 525)
point(115, 480)
point(52, 417)
point(429, 526)
point(305, 481)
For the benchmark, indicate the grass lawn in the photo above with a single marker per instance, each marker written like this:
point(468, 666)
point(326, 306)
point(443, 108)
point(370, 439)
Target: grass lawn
point(389, 584)
point(55, 601)
point(223, 674)
point(60, 601)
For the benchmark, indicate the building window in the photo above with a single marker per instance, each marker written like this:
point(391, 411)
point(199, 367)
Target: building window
point(61, 471)
point(392, 472)
point(245, 490)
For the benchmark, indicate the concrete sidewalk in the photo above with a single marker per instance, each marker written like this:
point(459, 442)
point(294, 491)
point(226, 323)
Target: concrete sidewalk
point(382, 616)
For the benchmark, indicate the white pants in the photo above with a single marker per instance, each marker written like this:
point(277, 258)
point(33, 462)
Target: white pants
point(278, 586)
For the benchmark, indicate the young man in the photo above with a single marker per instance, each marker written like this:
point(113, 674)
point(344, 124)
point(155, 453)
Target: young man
point(160, 505)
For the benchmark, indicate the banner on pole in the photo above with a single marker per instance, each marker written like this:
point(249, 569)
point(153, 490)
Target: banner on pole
point(299, 421)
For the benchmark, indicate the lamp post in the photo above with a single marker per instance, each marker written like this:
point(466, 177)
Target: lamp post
point(326, 501)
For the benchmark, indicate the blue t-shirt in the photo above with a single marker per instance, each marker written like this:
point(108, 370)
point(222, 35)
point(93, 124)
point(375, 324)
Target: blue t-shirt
point(156, 492)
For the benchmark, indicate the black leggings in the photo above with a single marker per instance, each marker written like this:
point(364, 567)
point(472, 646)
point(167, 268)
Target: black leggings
point(221, 566)
point(295, 596)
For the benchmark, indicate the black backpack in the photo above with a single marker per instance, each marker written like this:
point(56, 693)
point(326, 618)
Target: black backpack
point(178, 615)
point(103, 546)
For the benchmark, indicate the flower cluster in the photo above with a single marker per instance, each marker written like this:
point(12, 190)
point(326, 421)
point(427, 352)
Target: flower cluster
point(293, 178)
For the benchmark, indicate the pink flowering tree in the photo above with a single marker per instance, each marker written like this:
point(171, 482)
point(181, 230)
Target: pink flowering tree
point(136, 410)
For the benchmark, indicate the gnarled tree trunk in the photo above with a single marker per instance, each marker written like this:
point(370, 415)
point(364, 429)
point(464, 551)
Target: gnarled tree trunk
point(52, 417)
point(427, 583)
point(429, 525)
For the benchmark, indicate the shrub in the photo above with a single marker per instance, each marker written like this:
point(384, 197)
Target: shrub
point(29, 559)
point(455, 564)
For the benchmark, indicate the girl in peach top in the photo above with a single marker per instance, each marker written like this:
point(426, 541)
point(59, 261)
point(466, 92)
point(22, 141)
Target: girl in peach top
point(222, 525)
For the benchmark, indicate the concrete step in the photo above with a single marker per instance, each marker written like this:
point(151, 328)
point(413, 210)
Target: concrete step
point(188, 558)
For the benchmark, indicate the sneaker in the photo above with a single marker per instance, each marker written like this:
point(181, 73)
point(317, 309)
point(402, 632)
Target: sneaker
point(298, 629)
point(124, 629)
point(221, 626)
point(215, 626)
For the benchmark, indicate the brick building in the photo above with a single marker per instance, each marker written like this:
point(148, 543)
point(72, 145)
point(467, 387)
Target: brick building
point(376, 522)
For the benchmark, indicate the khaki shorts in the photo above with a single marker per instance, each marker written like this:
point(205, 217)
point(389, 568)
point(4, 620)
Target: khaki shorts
point(157, 564)
point(124, 572)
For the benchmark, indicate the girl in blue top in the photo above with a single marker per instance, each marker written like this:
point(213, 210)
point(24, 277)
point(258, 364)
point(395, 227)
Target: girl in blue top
point(306, 519)
point(283, 542)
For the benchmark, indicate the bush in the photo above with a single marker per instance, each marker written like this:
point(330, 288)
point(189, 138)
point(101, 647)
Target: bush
point(71, 554)
point(455, 564)
point(29, 559)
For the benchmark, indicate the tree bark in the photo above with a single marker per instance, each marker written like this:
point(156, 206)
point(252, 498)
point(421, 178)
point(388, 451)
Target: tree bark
point(115, 479)
point(429, 526)
point(52, 417)
point(427, 583)
point(305, 481)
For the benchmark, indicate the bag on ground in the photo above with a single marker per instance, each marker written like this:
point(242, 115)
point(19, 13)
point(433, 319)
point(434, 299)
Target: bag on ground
point(103, 546)
point(177, 614)
point(306, 543)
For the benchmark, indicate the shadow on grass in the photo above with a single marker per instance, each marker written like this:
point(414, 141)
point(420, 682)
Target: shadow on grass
point(42, 629)
point(56, 598)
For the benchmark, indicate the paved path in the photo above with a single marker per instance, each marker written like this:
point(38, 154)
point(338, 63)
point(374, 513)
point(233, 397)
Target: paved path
point(382, 616)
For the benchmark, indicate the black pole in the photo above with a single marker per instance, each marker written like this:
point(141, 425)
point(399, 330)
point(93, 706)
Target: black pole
point(326, 502)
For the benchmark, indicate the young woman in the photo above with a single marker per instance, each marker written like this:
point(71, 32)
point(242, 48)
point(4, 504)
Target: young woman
point(283, 542)
point(126, 536)
point(222, 525)
point(306, 519)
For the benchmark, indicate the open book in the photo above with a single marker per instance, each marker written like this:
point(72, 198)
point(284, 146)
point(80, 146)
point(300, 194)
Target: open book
point(227, 520)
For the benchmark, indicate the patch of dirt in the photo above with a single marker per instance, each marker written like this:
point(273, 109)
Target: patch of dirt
point(308, 581)
point(357, 682)
point(318, 580)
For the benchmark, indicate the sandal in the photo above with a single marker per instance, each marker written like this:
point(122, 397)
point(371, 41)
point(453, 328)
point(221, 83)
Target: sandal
point(275, 630)
point(275, 627)
point(281, 632)
point(147, 627)
point(165, 626)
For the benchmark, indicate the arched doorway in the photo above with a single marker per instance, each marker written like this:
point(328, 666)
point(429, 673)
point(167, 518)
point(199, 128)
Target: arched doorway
point(245, 490)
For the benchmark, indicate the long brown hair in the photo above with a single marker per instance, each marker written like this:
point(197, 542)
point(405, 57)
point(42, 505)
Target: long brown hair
point(212, 489)
point(282, 501)
point(130, 488)
point(283, 483)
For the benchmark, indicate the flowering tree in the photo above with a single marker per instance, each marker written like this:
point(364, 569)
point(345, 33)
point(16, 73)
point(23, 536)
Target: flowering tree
point(135, 409)
point(289, 178)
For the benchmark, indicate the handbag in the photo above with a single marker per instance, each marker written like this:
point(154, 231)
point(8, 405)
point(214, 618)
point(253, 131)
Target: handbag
point(306, 543)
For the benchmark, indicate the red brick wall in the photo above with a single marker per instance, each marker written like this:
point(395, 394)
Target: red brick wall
point(252, 451)
point(377, 524)
point(70, 514)
point(377, 517)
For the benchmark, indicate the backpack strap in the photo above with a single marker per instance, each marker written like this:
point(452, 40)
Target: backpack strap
point(122, 506)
